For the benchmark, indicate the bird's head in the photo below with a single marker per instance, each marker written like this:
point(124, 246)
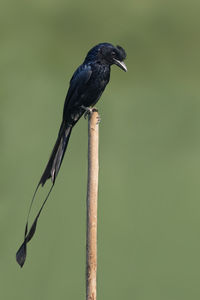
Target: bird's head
point(108, 54)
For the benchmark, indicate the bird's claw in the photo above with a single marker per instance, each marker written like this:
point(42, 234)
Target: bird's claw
point(88, 110)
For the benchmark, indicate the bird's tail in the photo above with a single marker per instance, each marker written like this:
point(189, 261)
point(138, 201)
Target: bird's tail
point(55, 160)
point(51, 171)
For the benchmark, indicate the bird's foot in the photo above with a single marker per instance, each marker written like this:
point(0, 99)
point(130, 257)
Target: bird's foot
point(88, 110)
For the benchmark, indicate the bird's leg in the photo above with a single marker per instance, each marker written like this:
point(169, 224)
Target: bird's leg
point(88, 110)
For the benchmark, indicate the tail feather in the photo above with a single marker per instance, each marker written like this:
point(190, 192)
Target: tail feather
point(57, 154)
point(50, 171)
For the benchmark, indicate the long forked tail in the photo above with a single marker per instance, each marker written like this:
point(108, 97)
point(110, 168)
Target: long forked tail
point(51, 171)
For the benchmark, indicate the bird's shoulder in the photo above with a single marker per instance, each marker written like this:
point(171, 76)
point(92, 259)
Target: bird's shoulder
point(88, 71)
point(81, 75)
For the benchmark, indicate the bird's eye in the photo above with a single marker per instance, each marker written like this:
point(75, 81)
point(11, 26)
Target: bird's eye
point(113, 53)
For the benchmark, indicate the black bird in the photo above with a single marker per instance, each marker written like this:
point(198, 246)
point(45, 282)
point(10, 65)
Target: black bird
point(86, 87)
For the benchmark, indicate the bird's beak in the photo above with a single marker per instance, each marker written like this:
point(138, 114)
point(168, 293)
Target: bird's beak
point(120, 64)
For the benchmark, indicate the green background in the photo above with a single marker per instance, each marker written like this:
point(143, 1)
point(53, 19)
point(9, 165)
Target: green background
point(149, 192)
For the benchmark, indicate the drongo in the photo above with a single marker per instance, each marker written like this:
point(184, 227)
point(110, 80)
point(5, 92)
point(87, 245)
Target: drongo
point(86, 87)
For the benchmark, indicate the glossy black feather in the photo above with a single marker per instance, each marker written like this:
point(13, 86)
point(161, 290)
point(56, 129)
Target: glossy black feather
point(86, 87)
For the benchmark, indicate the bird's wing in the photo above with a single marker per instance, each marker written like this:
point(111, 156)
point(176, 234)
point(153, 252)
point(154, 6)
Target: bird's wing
point(77, 87)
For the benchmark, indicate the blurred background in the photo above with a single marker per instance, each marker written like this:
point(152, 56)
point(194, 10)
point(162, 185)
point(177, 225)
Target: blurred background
point(149, 192)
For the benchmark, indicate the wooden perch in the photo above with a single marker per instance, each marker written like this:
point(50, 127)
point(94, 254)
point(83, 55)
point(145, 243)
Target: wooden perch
point(92, 195)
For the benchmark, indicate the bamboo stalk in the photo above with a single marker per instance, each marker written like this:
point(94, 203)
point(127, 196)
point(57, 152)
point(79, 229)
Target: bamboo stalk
point(92, 195)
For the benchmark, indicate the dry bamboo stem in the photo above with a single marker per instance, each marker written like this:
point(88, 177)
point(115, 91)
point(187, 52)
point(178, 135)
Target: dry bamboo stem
point(92, 194)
